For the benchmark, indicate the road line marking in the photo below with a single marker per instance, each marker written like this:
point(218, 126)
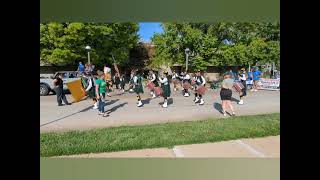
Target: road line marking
point(251, 149)
point(177, 152)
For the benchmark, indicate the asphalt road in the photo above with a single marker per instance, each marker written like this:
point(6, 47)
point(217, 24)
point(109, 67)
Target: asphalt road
point(123, 110)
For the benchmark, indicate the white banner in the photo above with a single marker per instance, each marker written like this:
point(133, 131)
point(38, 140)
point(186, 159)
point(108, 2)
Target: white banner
point(272, 84)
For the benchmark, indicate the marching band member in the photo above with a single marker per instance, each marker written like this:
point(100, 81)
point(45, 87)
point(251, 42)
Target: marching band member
point(165, 85)
point(186, 80)
point(175, 80)
point(243, 79)
point(138, 89)
point(131, 81)
point(200, 81)
point(153, 78)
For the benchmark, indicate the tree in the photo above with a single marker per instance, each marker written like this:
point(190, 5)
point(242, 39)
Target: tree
point(249, 43)
point(63, 43)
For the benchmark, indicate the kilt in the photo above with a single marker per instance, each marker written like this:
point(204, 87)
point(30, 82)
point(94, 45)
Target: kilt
point(138, 89)
point(92, 93)
point(201, 90)
point(166, 90)
point(186, 85)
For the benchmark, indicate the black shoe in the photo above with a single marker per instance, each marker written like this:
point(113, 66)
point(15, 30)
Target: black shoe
point(60, 104)
point(68, 103)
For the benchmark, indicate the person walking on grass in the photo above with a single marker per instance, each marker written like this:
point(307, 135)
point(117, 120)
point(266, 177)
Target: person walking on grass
point(138, 88)
point(226, 94)
point(243, 80)
point(165, 85)
point(58, 88)
point(101, 88)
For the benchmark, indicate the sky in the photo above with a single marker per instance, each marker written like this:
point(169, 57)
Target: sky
point(147, 30)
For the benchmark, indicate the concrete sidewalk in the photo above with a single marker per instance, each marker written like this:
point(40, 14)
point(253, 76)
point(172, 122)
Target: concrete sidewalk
point(257, 148)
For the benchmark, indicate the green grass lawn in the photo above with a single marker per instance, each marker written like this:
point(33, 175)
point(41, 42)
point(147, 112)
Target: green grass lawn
point(158, 135)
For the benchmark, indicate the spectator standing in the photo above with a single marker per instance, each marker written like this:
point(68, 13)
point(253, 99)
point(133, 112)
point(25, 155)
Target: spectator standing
point(256, 78)
point(101, 87)
point(81, 68)
point(58, 88)
point(226, 94)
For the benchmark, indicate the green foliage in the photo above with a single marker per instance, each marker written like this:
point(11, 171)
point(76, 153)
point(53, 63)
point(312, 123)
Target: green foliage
point(251, 43)
point(64, 43)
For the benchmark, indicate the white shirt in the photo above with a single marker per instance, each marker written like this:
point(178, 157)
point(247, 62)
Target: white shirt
point(135, 78)
point(187, 77)
point(243, 77)
point(90, 84)
point(153, 77)
point(163, 81)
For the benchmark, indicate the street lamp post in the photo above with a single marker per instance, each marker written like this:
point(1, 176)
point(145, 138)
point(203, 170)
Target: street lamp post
point(187, 51)
point(88, 48)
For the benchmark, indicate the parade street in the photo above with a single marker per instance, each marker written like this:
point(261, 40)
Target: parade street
point(123, 110)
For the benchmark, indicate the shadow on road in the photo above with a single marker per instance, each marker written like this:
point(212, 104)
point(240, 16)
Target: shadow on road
point(234, 99)
point(111, 102)
point(86, 109)
point(218, 107)
point(146, 101)
point(116, 107)
point(56, 120)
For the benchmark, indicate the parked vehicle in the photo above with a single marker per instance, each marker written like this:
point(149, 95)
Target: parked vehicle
point(46, 83)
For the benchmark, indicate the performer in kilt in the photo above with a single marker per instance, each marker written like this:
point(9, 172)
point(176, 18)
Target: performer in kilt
point(165, 85)
point(175, 80)
point(138, 88)
point(153, 78)
point(89, 85)
point(243, 78)
point(131, 84)
point(200, 81)
point(186, 81)
point(122, 83)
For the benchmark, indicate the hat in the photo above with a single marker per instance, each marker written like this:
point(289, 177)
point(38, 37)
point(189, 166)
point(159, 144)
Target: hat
point(243, 69)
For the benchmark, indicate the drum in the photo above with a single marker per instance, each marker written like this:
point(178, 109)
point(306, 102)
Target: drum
point(186, 85)
point(201, 90)
point(238, 86)
point(158, 90)
point(151, 85)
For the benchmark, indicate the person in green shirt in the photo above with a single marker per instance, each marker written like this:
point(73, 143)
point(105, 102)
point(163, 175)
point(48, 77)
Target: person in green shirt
point(101, 88)
point(138, 88)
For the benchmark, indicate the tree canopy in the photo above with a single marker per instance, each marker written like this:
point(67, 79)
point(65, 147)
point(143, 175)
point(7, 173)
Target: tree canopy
point(217, 44)
point(64, 43)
